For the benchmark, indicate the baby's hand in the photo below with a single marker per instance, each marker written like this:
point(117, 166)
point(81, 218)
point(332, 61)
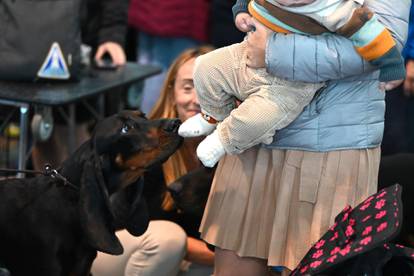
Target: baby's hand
point(243, 22)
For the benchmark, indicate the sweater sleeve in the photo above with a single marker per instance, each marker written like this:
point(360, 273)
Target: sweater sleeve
point(240, 6)
point(330, 57)
point(114, 21)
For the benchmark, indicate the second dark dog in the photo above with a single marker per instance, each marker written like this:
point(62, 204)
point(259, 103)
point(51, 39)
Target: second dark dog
point(186, 197)
point(190, 192)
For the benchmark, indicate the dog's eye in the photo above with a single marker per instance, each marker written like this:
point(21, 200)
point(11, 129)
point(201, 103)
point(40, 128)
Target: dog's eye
point(125, 128)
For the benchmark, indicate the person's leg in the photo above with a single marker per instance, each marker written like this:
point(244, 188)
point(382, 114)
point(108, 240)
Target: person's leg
point(159, 251)
point(273, 104)
point(194, 269)
point(228, 263)
point(396, 126)
point(146, 54)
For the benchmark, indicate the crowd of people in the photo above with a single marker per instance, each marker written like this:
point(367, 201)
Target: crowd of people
point(275, 192)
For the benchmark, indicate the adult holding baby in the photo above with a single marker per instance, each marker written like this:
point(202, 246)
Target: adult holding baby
point(268, 204)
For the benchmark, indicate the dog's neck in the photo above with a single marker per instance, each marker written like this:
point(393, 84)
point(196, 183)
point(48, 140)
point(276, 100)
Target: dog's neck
point(72, 167)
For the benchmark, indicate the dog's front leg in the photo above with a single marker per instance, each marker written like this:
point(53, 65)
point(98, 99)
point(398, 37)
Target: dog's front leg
point(84, 260)
point(48, 266)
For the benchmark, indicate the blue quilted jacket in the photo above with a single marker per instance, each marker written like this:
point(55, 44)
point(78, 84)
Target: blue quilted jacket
point(349, 112)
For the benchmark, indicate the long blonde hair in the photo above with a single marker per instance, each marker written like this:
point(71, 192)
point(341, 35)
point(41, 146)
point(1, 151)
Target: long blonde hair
point(178, 164)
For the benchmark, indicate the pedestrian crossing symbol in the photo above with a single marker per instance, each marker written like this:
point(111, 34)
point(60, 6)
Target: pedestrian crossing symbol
point(54, 66)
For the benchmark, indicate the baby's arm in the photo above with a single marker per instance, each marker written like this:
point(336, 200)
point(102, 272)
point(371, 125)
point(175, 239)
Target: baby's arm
point(243, 22)
point(241, 16)
point(330, 57)
point(240, 7)
point(374, 42)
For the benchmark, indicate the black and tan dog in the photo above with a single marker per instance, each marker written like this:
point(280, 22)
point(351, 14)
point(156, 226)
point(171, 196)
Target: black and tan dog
point(48, 228)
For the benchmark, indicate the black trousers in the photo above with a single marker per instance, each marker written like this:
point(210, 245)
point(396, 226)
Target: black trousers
point(399, 123)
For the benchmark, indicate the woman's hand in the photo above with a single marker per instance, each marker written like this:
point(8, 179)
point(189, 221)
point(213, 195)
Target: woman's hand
point(409, 78)
point(114, 50)
point(256, 45)
point(198, 252)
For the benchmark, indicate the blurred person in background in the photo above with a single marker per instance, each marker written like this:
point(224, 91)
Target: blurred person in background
point(104, 26)
point(399, 112)
point(409, 55)
point(268, 205)
point(164, 29)
point(223, 32)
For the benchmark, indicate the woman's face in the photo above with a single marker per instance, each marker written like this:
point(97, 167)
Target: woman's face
point(184, 93)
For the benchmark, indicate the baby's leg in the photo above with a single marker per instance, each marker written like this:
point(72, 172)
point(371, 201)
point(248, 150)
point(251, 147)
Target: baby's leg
point(256, 120)
point(216, 77)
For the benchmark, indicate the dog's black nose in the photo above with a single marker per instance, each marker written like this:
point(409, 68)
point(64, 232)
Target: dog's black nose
point(172, 125)
point(175, 188)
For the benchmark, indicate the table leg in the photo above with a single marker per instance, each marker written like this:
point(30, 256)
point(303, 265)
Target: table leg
point(72, 129)
point(24, 116)
point(101, 106)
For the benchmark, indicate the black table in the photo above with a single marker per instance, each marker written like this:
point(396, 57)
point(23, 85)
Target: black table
point(92, 84)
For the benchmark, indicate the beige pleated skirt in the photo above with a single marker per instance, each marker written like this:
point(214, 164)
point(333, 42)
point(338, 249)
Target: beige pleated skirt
point(274, 204)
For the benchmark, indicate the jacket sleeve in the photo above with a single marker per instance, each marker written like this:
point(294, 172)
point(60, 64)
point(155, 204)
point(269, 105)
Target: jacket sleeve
point(329, 57)
point(114, 21)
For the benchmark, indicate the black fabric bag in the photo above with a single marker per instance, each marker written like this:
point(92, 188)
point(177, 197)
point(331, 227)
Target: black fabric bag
point(39, 39)
point(358, 244)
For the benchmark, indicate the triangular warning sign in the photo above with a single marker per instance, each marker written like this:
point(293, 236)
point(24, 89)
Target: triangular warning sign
point(54, 66)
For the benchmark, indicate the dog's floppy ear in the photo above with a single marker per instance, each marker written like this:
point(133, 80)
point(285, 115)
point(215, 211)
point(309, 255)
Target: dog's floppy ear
point(130, 209)
point(103, 144)
point(138, 218)
point(95, 215)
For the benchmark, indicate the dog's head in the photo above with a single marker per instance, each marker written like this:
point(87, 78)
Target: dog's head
point(190, 192)
point(122, 147)
point(128, 143)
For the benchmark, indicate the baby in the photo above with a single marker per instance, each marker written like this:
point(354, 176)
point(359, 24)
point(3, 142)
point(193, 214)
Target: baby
point(348, 18)
point(268, 102)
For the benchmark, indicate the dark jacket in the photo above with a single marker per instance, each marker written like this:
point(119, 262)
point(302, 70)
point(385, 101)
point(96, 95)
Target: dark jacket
point(409, 46)
point(104, 21)
point(223, 31)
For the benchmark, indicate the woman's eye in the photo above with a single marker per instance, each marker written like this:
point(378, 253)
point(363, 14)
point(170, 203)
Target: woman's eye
point(125, 128)
point(188, 89)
